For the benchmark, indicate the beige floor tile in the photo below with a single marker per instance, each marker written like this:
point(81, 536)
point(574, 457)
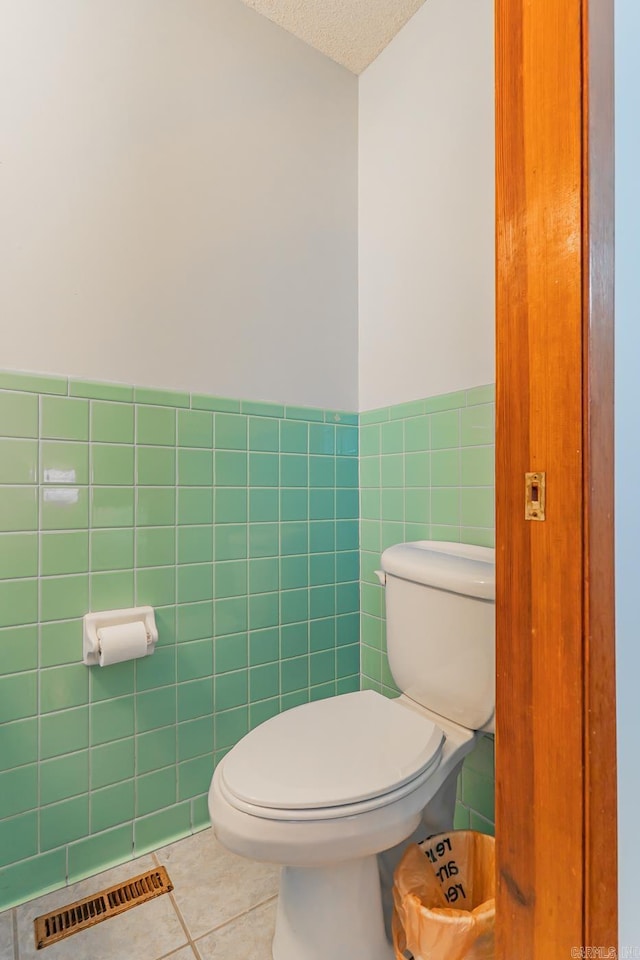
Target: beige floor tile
point(146, 932)
point(6, 936)
point(248, 938)
point(211, 885)
point(185, 953)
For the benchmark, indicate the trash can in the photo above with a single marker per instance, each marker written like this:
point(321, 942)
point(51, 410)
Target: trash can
point(444, 898)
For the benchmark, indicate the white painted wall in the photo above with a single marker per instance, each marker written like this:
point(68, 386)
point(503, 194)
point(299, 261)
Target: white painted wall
point(426, 207)
point(627, 293)
point(178, 203)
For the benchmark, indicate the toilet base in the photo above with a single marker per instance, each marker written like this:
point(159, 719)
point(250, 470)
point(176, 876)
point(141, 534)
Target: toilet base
point(331, 913)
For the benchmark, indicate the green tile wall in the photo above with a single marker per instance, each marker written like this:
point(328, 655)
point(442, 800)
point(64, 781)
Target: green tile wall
point(238, 521)
point(426, 473)
point(254, 530)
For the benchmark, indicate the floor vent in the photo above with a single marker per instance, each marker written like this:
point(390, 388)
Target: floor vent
point(54, 926)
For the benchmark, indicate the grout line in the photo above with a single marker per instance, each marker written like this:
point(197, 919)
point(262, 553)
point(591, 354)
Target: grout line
point(173, 953)
point(183, 924)
point(238, 916)
point(14, 924)
point(181, 919)
point(38, 714)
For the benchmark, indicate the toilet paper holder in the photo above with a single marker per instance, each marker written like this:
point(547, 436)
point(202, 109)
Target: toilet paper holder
point(92, 622)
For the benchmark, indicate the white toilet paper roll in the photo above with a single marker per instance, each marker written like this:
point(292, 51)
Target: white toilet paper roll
point(127, 641)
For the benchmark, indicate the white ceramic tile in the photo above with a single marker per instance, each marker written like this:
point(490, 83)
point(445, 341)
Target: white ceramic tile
point(146, 932)
point(248, 938)
point(6, 935)
point(211, 885)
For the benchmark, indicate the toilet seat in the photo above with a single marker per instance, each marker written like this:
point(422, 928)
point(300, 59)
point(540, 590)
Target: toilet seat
point(328, 813)
point(331, 758)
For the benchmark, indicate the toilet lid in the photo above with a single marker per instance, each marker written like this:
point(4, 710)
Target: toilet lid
point(332, 752)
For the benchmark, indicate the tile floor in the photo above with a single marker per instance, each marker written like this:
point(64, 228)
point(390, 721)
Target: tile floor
point(222, 908)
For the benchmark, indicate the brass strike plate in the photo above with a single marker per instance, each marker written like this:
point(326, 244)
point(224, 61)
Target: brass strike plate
point(534, 501)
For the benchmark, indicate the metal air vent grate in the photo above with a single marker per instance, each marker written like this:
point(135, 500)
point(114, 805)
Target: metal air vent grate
point(54, 926)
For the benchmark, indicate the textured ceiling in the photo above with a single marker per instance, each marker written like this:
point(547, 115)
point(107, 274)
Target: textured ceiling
point(352, 32)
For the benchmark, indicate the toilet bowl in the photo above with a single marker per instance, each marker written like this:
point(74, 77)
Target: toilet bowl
point(322, 789)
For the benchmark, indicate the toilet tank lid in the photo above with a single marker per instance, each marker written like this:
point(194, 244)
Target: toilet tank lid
point(457, 567)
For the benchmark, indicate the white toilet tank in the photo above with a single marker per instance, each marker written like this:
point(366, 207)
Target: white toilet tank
point(440, 600)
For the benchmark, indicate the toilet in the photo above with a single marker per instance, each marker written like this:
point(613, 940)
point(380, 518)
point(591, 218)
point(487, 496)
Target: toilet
point(333, 790)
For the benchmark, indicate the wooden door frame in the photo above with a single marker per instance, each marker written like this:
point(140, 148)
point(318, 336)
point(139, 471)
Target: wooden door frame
point(556, 837)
